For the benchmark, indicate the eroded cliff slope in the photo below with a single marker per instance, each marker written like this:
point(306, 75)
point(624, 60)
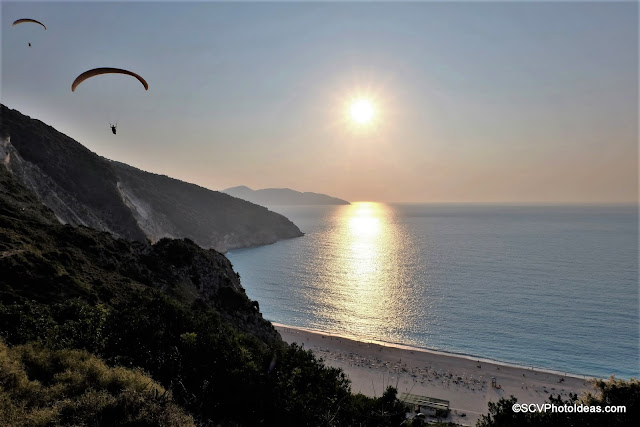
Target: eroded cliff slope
point(82, 188)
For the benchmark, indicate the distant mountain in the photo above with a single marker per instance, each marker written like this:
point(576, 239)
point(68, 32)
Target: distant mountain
point(82, 188)
point(282, 196)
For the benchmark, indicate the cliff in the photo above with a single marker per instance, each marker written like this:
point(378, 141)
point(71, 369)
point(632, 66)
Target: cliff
point(44, 261)
point(82, 188)
point(83, 314)
point(166, 207)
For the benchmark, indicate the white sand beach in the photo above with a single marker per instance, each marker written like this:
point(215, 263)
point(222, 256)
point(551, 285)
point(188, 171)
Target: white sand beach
point(463, 381)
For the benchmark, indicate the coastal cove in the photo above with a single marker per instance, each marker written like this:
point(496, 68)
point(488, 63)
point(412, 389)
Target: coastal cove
point(320, 214)
point(553, 287)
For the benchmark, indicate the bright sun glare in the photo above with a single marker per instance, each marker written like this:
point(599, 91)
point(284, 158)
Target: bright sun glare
point(362, 111)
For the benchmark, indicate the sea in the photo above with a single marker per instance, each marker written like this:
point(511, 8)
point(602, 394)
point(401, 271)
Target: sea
point(550, 287)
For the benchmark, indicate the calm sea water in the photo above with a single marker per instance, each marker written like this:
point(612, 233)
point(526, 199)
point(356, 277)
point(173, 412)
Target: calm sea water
point(554, 287)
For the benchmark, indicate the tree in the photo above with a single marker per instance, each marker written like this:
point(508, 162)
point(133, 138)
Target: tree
point(611, 392)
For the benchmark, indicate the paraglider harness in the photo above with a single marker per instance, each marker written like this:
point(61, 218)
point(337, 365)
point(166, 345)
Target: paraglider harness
point(113, 127)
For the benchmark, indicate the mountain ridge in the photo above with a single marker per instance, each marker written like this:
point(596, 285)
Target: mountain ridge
point(83, 188)
point(282, 196)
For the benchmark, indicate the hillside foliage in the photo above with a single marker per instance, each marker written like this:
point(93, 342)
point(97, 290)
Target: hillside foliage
point(44, 387)
point(172, 310)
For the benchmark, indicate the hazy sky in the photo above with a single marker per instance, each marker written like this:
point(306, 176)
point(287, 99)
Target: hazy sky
point(474, 102)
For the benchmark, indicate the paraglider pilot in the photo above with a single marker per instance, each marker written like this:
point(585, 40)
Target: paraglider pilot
point(106, 70)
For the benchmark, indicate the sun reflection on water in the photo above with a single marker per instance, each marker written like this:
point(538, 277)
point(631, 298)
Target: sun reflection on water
point(364, 220)
point(364, 296)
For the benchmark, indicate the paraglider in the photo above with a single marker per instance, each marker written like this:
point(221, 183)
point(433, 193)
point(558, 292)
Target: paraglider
point(24, 20)
point(106, 70)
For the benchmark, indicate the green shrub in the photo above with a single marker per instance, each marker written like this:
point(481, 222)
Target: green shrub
point(39, 386)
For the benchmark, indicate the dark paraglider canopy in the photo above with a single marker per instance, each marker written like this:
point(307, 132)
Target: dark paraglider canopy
point(22, 21)
point(105, 70)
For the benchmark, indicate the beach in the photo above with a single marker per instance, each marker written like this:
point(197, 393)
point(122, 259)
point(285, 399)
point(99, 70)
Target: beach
point(466, 382)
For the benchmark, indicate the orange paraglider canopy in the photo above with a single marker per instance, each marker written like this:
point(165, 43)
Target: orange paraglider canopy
point(106, 70)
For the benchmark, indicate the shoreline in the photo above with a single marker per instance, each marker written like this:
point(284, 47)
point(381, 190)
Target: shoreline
point(465, 381)
point(465, 356)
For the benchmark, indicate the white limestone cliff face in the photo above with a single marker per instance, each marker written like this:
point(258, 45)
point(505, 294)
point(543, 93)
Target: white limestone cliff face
point(155, 225)
point(63, 204)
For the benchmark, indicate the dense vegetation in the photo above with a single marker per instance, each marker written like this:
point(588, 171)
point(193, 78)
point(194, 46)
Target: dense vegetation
point(172, 310)
point(71, 387)
point(612, 392)
point(214, 371)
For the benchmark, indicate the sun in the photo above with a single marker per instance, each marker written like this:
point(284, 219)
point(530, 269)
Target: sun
point(362, 111)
